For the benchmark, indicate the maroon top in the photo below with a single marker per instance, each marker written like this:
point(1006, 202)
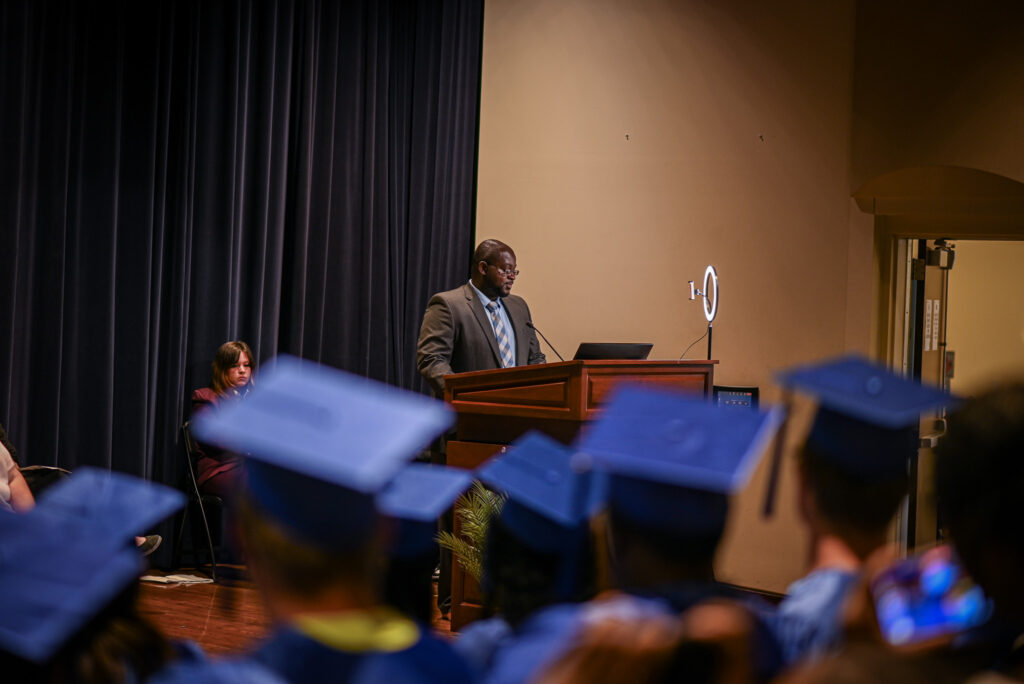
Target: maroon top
point(213, 460)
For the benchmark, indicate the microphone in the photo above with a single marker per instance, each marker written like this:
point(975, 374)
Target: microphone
point(531, 326)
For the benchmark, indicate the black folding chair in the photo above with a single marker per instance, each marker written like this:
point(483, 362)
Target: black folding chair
point(196, 499)
point(40, 477)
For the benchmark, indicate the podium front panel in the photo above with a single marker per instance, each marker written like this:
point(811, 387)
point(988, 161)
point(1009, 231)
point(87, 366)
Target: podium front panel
point(602, 382)
point(495, 407)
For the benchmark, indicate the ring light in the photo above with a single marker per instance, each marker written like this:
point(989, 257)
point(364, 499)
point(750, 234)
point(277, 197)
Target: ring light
point(711, 294)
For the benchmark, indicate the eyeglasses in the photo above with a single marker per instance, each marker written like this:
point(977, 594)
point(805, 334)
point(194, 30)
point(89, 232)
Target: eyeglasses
point(504, 271)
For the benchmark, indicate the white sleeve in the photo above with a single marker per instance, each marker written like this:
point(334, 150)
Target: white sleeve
point(6, 466)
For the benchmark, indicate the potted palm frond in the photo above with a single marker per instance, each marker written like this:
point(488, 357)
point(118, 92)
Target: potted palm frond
point(473, 512)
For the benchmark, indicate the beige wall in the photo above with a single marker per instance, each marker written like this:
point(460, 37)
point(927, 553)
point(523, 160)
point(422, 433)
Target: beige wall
point(738, 122)
point(749, 125)
point(938, 83)
point(986, 314)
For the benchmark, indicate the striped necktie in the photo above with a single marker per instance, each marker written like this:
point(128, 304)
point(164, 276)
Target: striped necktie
point(507, 360)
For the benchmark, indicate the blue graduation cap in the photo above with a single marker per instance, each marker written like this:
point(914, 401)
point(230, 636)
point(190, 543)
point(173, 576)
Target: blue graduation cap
point(675, 458)
point(550, 491)
point(417, 496)
point(117, 506)
point(551, 496)
point(867, 416)
point(56, 578)
point(320, 443)
point(65, 560)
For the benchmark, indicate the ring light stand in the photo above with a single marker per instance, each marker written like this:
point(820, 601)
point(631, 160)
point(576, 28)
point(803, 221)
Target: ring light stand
point(710, 295)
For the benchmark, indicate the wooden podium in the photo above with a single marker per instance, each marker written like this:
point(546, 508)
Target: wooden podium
point(496, 406)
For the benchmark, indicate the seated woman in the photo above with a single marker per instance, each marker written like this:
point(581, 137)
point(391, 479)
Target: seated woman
point(15, 494)
point(218, 470)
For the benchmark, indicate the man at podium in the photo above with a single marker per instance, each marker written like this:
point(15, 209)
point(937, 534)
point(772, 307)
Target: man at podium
point(479, 325)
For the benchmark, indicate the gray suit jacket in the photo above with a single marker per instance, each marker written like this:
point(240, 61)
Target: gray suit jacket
point(456, 336)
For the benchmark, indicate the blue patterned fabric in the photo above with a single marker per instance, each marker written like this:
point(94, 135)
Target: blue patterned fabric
point(808, 622)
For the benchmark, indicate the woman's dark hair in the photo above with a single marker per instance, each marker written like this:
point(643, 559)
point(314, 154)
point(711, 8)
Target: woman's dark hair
point(226, 357)
point(522, 580)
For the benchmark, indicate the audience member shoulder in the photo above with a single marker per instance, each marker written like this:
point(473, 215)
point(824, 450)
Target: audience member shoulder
point(204, 396)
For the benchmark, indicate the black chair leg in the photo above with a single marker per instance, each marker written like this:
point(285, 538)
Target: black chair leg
point(191, 456)
point(178, 539)
point(209, 542)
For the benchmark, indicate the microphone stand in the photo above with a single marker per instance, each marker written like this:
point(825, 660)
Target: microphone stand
point(532, 327)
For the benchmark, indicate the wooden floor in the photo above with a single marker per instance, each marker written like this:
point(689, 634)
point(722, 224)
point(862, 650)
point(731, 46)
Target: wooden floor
point(222, 618)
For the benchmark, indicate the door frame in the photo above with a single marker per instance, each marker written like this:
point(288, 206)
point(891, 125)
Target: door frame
point(926, 203)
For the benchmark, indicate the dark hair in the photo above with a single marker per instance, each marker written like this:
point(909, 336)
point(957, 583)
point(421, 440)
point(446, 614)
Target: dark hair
point(522, 579)
point(409, 585)
point(979, 472)
point(688, 547)
point(117, 645)
point(488, 250)
point(226, 357)
point(848, 501)
point(297, 568)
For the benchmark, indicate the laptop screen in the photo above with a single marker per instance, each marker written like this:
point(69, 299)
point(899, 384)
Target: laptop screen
point(613, 350)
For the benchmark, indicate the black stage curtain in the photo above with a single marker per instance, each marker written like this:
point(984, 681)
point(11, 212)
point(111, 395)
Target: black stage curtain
point(173, 175)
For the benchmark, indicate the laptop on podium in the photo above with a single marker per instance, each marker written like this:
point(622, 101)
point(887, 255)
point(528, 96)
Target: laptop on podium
point(606, 351)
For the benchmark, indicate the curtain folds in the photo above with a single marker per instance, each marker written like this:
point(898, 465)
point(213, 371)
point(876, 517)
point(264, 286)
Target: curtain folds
point(295, 173)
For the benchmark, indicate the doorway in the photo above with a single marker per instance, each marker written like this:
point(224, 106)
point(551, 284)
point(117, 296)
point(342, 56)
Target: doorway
point(919, 351)
point(962, 329)
point(947, 241)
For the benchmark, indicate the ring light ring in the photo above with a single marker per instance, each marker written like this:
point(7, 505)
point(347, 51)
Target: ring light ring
point(710, 293)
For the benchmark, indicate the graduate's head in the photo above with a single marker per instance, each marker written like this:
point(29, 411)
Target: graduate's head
point(287, 560)
point(681, 525)
point(69, 570)
point(494, 268)
point(854, 462)
point(411, 505)
point(673, 460)
point(979, 480)
point(848, 504)
point(539, 550)
point(319, 446)
point(413, 501)
point(521, 576)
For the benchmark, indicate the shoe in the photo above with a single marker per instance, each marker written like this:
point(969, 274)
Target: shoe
point(444, 606)
point(150, 544)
